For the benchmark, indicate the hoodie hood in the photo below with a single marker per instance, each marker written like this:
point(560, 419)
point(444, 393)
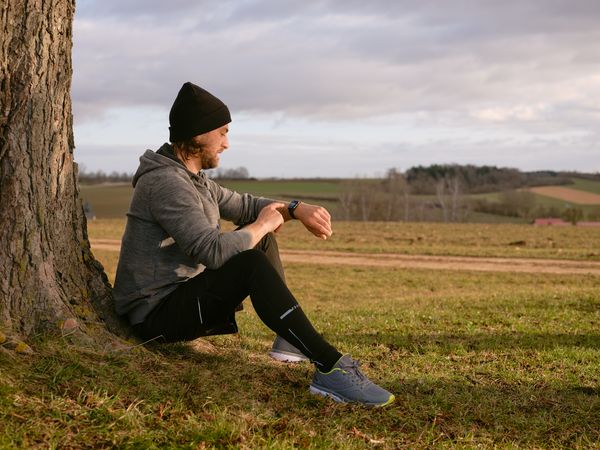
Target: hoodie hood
point(162, 158)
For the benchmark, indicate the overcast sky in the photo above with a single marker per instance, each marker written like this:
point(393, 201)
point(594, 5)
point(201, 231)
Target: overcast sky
point(345, 88)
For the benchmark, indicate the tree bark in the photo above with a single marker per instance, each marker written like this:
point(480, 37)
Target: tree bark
point(47, 271)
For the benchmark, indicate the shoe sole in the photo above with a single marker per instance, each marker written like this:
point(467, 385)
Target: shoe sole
point(316, 391)
point(287, 357)
point(323, 393)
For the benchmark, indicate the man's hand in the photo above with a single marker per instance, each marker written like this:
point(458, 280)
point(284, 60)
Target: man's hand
point(270, 218)
point(315, 218)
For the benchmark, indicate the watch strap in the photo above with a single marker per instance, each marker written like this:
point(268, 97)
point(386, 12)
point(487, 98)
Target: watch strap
point(292, 207)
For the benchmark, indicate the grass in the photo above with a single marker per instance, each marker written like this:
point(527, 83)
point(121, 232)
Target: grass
point(287, 189)
point(578, 184)
point(107, 200)
point(111, 201)
point(466, 239)
point(586, 185)
point(475, 360)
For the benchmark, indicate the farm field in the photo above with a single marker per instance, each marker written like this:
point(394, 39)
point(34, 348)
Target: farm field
point(576, 196)
point(476, 240)
point(287, 189)
point(112, 200)
point(586, 185)
point(476, 360)
point(108, 201)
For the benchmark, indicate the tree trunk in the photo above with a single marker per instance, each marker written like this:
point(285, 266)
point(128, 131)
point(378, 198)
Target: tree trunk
point(47, 271)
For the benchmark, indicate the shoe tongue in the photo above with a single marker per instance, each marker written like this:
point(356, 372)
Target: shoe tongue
point(346, 362)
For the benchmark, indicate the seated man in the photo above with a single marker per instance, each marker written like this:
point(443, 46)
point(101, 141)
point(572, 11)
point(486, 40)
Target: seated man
point(180, 277)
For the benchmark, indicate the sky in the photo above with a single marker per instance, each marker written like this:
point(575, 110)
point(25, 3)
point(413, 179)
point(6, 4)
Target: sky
point(345, 88)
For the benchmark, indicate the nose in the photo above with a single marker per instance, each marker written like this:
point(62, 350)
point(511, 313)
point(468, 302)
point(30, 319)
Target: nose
point(225, 143)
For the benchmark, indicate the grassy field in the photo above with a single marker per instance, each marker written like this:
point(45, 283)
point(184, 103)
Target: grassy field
point(586, 185)
point(112, 200)
point(568, 195)
point(466, 239)
point(476, 360)
point(107, 201)
point(287, 189)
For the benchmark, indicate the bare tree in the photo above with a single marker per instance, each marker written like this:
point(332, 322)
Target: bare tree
point(455, 199)
point(48, 275)
point(367, 199)
point(397, 189)
point(347, 198)
point(406, 202)
point(449, 197)
point(440, 194)
point(360, 200)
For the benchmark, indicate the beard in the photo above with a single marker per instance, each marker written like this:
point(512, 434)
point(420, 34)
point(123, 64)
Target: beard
point(210, 161)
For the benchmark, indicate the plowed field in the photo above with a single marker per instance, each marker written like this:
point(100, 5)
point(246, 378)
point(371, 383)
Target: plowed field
point(567, 194)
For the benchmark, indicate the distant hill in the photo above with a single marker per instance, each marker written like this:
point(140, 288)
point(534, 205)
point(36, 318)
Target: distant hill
point(452, 193)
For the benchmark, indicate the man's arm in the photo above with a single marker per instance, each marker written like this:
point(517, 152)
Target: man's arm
point(315, 218)
point(235, 207)
point(269, 220)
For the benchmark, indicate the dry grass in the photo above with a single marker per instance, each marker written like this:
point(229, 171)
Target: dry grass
point(502, 240)
point(477, 360)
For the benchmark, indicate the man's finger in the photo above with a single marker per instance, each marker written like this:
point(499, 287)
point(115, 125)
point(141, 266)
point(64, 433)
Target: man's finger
point(321, 232)
point(325, 226)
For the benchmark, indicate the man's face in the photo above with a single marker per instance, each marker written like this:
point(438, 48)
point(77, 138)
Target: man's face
point(213, 144)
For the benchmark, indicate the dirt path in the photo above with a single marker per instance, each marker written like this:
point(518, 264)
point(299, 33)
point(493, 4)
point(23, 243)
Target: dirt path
point(527, 265)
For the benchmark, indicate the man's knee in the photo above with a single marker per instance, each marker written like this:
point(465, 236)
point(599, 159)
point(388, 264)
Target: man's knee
point(268, 245)
point(267, 242)
point(253, 257)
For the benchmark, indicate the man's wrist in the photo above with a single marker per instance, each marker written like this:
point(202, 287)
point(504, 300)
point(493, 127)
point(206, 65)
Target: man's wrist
point(292, 206)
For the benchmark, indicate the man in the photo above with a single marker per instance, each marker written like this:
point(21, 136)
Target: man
point(180, 277)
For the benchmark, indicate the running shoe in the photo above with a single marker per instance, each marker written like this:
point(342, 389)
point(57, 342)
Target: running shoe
point(345, 383)
point(282, 350)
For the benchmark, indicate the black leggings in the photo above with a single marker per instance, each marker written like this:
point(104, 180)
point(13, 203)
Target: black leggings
point(209, 301)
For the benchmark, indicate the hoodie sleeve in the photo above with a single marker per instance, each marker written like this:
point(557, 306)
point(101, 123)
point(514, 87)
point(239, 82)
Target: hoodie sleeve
point(240, 209)
point(180, 210)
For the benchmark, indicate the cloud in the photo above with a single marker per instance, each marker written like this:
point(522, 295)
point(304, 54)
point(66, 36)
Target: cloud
point(517, 67)
point(332, 58)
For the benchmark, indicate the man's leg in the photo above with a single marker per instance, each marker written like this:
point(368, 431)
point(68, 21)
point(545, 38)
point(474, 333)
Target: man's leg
point(255, 275)
point(281, 350)
point(268, 245)
point(212, 296)
point(344, 382)
point(210, 299)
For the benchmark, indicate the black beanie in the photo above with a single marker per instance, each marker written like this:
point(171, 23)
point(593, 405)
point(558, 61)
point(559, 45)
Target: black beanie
point(195, 111)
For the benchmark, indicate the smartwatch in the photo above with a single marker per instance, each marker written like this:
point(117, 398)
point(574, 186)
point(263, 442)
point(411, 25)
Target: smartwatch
point(292, 206)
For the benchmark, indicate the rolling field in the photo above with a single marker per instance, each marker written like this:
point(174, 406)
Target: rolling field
point(107, 201)
point(287, 189)
point(112, 200)
point(576, 196)
point(476, 359)
point(586, 185)
point(465, 239)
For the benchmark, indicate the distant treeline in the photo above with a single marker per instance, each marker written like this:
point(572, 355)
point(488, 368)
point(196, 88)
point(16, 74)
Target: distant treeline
point(448, 193)
point(439, 192)
point(239, 173)
point(480, 179)
point(98, 177)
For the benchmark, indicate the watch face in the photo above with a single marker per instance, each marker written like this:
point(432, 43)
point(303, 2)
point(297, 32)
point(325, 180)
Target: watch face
point(292, 206)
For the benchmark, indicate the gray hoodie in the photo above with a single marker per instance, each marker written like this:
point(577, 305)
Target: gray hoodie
point(173, 232)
